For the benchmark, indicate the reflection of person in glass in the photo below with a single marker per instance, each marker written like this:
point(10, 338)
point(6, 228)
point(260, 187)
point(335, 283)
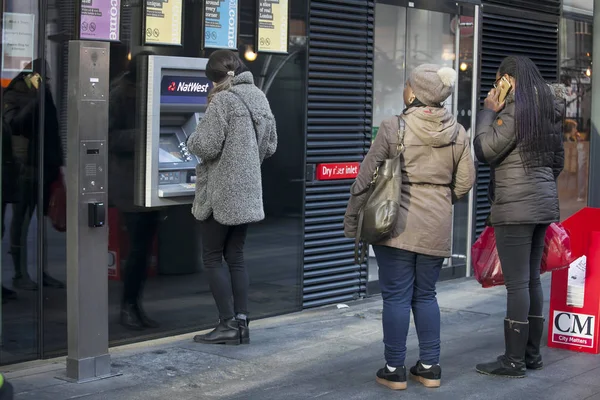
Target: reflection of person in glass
point(141, 223)
point(21, 112)
point(233, 138)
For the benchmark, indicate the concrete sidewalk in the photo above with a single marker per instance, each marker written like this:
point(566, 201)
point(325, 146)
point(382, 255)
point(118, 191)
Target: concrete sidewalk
point(325, 354)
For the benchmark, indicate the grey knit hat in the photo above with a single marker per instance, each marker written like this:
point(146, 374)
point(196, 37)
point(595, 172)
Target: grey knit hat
point(432, 84)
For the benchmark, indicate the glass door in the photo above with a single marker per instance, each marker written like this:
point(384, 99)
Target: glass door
point(408, 34)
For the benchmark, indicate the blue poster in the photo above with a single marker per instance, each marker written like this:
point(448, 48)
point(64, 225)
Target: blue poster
point(220, 24)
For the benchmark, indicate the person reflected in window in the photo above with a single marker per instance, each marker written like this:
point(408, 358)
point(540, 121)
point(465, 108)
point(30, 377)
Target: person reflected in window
point(236, 134)
point(521, 139)
point(21, 112)
point(142, 223)
point(9, 190)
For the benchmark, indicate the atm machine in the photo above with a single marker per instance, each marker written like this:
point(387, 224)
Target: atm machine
point(175, 99)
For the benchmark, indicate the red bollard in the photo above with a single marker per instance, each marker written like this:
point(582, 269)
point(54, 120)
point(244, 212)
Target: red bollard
point(572, 328)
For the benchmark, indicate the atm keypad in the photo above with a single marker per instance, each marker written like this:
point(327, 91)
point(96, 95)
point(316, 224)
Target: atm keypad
point(185, 152)
point(170, 177)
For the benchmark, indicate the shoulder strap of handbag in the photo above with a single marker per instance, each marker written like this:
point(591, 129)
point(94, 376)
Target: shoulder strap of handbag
point(250, 112)
point(399, 149)
point(361, 247)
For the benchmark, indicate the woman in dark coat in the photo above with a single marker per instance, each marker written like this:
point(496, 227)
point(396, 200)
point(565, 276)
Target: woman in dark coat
point(21, 104)
point(521, 139)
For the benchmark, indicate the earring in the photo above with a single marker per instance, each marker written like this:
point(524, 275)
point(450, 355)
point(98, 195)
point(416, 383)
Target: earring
point(412, 99)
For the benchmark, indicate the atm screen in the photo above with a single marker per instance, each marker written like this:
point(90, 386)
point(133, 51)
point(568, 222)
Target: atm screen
point(168, 151)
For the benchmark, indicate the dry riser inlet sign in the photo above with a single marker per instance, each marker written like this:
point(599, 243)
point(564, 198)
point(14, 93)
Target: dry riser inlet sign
point(100, 20)
point(163, 22)
point(220, 24)
point(273, 22)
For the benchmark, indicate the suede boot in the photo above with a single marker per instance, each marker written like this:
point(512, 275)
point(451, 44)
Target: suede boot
point(512, 363)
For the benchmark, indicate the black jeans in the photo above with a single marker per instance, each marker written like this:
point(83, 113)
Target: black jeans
point(141, 227)
point(520, 248)
point(229, 286)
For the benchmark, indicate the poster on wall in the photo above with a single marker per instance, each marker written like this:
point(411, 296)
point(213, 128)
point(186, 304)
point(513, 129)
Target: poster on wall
point(273, 23)
point(18, 45)
point(220, 24)
point(100, 20)
point(163, 22)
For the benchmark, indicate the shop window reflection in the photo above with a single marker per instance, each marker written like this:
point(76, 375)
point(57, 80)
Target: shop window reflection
point(576, 57)
point(176, 294)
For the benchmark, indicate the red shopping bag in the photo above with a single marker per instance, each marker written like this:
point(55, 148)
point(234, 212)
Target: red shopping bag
point(557, 249)
point(57, 207)
point(486, 262)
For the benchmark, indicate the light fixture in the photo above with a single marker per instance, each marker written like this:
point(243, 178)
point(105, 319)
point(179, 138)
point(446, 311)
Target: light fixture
point(250, 54)
point(463, 66)
point(129, 56)
point(588, 72)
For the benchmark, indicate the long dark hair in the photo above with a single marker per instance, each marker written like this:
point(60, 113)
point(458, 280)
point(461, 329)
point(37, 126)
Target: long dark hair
point(534, 109)
point(220, 64)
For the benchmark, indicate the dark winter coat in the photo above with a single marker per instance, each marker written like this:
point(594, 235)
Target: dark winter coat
point(122, 133)
point(519, 196)
point(21, 113)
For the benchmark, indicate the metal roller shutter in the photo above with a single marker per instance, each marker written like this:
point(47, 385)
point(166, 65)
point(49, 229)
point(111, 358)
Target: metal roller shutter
point(340, 76)
point(504, 35)
point(553, 7)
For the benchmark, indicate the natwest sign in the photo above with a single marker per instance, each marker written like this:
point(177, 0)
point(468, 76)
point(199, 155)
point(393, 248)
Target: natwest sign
point(573, 329)
point(184, 89)
point(337, 171)
point(191, 87)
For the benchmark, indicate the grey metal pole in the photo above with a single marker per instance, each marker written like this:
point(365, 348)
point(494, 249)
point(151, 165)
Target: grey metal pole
point(594, 157)
point(474, 108)
point(87, 234)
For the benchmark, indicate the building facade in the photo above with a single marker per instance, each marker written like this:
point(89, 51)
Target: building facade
point(341, 74)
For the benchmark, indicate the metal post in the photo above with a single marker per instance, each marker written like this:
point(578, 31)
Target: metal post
point(87, 238)
point(474, 108)
point(594, 157)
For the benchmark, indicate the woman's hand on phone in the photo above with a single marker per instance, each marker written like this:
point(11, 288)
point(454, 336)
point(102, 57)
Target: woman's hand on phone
point(492, 101)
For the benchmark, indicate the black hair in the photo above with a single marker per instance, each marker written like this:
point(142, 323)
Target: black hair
point(221, 62)
point(219, 67)
point(534, 109)
point(418, 103)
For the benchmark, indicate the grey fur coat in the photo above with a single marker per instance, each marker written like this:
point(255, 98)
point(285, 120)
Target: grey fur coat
point(228, 178)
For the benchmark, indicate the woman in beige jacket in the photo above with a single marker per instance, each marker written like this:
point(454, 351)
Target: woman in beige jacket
point(437, 170)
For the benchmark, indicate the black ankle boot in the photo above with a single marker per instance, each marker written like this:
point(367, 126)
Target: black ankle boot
point(244, 329)
point(227, 332)
point(533, 358)
point(512, 363)
point(130, 318)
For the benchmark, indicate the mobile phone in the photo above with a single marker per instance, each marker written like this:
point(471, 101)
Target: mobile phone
point(504, 86)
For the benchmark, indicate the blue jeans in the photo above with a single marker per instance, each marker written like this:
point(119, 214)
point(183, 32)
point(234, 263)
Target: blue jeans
point(407, 281)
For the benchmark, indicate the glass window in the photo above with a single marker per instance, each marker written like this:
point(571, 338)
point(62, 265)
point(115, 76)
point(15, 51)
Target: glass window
point(406, 38)
point(154, 255)
point(576, 75)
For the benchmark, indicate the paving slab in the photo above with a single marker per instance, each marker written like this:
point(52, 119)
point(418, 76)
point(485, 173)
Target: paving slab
point(328, 354)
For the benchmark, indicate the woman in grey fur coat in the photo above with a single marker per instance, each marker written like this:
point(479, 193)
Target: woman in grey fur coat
point(236, 134)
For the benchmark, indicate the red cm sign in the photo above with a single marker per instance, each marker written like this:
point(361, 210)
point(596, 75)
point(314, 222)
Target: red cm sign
point(337, 171)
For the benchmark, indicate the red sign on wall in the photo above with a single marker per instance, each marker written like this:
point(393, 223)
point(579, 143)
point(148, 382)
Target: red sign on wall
point(337, 171)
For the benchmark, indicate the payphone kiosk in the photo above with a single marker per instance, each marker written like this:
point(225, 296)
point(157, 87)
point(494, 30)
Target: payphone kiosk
point(177, 95)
